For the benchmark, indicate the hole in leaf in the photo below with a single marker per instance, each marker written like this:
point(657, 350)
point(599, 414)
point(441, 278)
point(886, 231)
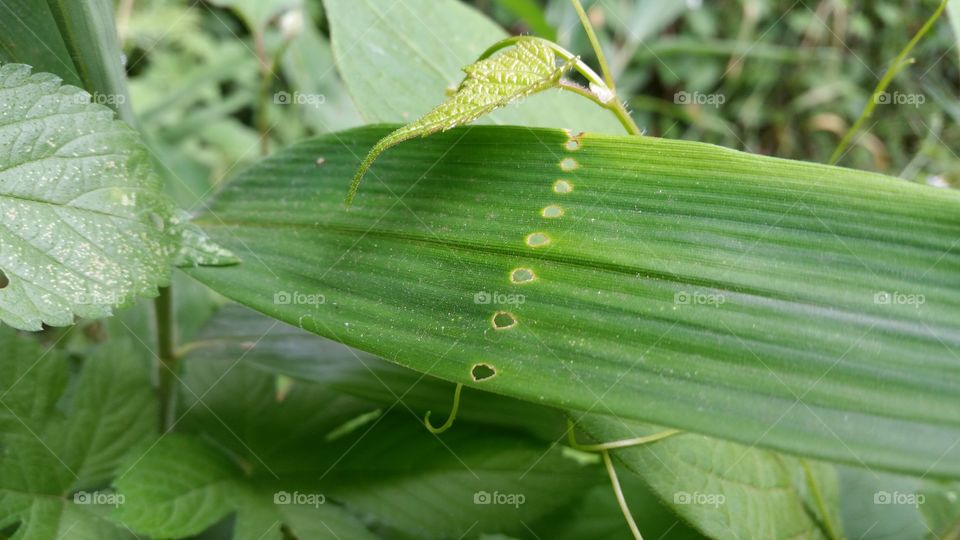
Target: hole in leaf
point(4, 281)
point(504, 320)
point(522, 275)
point(482, 372)
point(562, 186)
point(552, 211)
point(537, 239)
point(572, 144)
point(568, 164)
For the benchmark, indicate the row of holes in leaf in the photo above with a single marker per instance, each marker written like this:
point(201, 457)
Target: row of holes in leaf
point(504, 320)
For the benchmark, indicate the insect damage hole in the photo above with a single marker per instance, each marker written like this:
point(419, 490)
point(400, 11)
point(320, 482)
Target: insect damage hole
point(522, 275)
point(503, 320)
point(482, 372)
point(4, 281)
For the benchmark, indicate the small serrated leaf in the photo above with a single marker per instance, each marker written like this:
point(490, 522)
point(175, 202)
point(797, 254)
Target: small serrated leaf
point(529, 67)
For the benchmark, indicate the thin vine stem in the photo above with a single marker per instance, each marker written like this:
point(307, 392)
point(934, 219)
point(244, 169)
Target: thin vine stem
point(167, 358)
point(618, 492)
point(615, 445)
point(595, 43)
point(450, 419)
point(898, 64)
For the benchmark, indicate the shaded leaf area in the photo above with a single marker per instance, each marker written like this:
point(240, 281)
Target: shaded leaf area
point(60, 444)
point(311, 460)
point(398, 59)
point(792, 306)
point(527, 68)
point(728, 490)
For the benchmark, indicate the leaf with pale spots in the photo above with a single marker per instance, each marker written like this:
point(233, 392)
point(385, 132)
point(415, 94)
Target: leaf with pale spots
point(527, 68)
point(753, 299)
point(86, 227)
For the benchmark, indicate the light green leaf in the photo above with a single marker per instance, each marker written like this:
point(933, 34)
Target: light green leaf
point(527, 68)
point(399, 58)
point(759, 300)
point(877, 506)
point(56, 451)
point(727, 490)
point(308, 65)
point(85, 222)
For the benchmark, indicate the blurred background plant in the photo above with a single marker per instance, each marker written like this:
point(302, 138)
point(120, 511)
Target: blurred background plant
point(784, 78)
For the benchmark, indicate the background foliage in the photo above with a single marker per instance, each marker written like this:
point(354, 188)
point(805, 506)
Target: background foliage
point(215, 85)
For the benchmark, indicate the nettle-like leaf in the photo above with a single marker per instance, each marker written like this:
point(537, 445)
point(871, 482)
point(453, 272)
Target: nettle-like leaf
point(527, 68)
point(86, 227)
point(57, 450)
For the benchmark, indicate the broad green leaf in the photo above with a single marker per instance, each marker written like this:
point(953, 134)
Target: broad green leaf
point(57, 450)
point(769, 302)
point(527, 68)
point(29, 35)
point(90, 36)
point(727, 490)
point(399, 58)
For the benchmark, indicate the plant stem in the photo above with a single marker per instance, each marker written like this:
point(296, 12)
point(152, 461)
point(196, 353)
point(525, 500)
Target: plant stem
point(814, 487)
point(897, 66)
point(618, 492)
point(614, 105)
point(594, 42)
point(450, 419)
point(264, 91)
point(167, 363)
